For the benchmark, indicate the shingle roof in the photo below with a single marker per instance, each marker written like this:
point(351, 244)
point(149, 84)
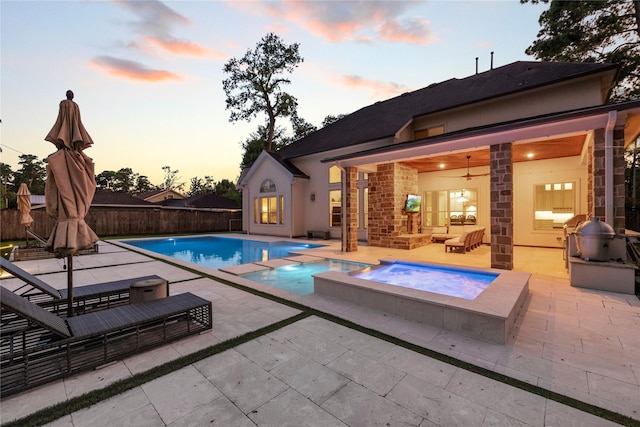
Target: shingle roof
point(107, 197)
point(203, 201)
point(383, 119)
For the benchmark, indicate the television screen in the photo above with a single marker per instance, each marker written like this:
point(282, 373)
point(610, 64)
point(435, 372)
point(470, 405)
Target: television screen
point(413, 203)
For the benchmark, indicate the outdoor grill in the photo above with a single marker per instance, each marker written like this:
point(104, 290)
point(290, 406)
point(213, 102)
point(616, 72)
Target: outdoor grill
point(593, 238)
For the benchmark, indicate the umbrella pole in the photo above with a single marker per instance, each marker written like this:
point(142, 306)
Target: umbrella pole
point(69, 286)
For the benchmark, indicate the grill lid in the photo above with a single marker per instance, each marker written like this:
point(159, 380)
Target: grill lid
point(595, 228)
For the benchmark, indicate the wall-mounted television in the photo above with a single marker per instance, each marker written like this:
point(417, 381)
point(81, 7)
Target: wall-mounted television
point(413, 203)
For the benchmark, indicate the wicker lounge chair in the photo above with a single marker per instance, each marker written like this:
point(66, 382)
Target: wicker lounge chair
point(85, 298)
point(37, 346)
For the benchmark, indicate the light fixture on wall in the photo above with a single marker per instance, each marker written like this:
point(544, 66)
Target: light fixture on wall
point(462, 199)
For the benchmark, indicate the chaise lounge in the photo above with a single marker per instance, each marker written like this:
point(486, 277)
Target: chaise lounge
point(38, 347)
point(85, 298)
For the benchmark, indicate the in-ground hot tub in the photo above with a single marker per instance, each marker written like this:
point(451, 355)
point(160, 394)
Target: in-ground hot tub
point(489, 316)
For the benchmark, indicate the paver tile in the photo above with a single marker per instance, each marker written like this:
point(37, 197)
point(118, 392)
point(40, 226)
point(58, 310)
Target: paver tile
point(367, 372)
point(356, 406)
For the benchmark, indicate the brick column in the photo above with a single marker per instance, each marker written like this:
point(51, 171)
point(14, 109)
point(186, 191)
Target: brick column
point(388, 189)
point(619, 219)
point(501, 175)
point(597, 188)
point(350, 234)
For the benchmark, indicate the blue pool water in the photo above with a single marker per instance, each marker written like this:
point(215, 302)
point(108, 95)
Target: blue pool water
point(456, 282)
point(298, 278)
point(216, 252)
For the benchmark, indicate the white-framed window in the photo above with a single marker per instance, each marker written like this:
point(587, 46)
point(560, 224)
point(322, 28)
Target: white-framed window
point(553, 205)
point(450, 207)
point(269, 207)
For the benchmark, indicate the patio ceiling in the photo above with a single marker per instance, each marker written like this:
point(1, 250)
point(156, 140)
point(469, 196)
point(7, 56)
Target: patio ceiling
point(565, 146)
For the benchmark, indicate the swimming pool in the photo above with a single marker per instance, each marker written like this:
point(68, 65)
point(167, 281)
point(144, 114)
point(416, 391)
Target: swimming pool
point(455, 282)
point(298, 278)
point(489, 316)
point(216, 252)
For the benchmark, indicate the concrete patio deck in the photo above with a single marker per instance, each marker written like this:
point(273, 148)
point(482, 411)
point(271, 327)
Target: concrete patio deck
point(579, 343)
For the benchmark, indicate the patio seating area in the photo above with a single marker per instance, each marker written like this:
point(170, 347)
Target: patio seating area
point(344, 364)
point(85, 298)
point(468, 240)
point(38, 346)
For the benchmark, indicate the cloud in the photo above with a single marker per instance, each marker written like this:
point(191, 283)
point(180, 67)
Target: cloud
point(377, 89)
point(360, 20)
point(181, 47)
point(413, 30)
point(131, 70)
point(155, 25)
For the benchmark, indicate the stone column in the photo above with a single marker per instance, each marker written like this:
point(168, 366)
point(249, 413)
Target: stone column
point(597, 187)
point(350, 234)
point(388, 189)
point(619, 220)
point(501, 175)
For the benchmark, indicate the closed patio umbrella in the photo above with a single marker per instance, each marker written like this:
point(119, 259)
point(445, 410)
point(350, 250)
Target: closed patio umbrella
point(69, 188)
point(24, 206)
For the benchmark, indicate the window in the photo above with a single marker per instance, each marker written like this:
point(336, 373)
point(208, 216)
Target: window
point(335, 208)
point(268, 209)
point(451, 207)
point(281, 216)
point(335, 175)
point(268, 186)
point(256, 211)
point(553, 205)
point(425, 133)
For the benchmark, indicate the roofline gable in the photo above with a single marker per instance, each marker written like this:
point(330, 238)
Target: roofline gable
point(266, 156)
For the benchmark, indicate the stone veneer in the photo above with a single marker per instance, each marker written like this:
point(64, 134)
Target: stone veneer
point(501, 174)
point(596, 182)
point(388, 189)
point(350, 238)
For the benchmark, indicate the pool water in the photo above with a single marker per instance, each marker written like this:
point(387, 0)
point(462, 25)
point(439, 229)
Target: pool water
point(456, 282)
point(216, 252)
point(298, 278)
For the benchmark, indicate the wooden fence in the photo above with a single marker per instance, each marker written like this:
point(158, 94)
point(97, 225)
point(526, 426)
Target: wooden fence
point(124, 221)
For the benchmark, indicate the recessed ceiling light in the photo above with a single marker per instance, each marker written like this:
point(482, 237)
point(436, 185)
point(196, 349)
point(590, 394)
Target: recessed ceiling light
point(530, 155)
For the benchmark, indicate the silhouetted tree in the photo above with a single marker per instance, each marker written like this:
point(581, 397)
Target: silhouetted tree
point(255, 82)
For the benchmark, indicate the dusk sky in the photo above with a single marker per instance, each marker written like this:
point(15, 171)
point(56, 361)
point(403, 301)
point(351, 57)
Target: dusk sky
point(147, 75)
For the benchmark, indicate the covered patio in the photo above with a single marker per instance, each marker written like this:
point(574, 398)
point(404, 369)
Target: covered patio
point(589, 143)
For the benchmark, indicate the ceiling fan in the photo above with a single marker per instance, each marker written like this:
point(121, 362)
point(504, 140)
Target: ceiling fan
point(469, 175)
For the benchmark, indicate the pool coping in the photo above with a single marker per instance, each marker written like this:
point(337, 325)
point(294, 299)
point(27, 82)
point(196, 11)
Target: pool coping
point(490, 316)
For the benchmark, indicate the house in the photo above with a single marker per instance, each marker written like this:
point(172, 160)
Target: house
point(203, 201)
point(112, 199)
point(156, 196)
point(520, 148)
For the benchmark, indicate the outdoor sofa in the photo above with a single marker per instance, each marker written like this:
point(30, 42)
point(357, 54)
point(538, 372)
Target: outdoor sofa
point(85, 298)
point(440, 234)
point(468, 240)
point(38, 347)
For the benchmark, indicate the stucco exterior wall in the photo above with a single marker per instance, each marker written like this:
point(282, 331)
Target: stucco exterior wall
point(268, 169)
point(561, 97)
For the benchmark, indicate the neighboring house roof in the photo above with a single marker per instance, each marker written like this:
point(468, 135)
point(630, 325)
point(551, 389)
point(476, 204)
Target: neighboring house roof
point(203, 201)
point(107, 197)
point(37, 199)
point(152, 193)
point(383, 119)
